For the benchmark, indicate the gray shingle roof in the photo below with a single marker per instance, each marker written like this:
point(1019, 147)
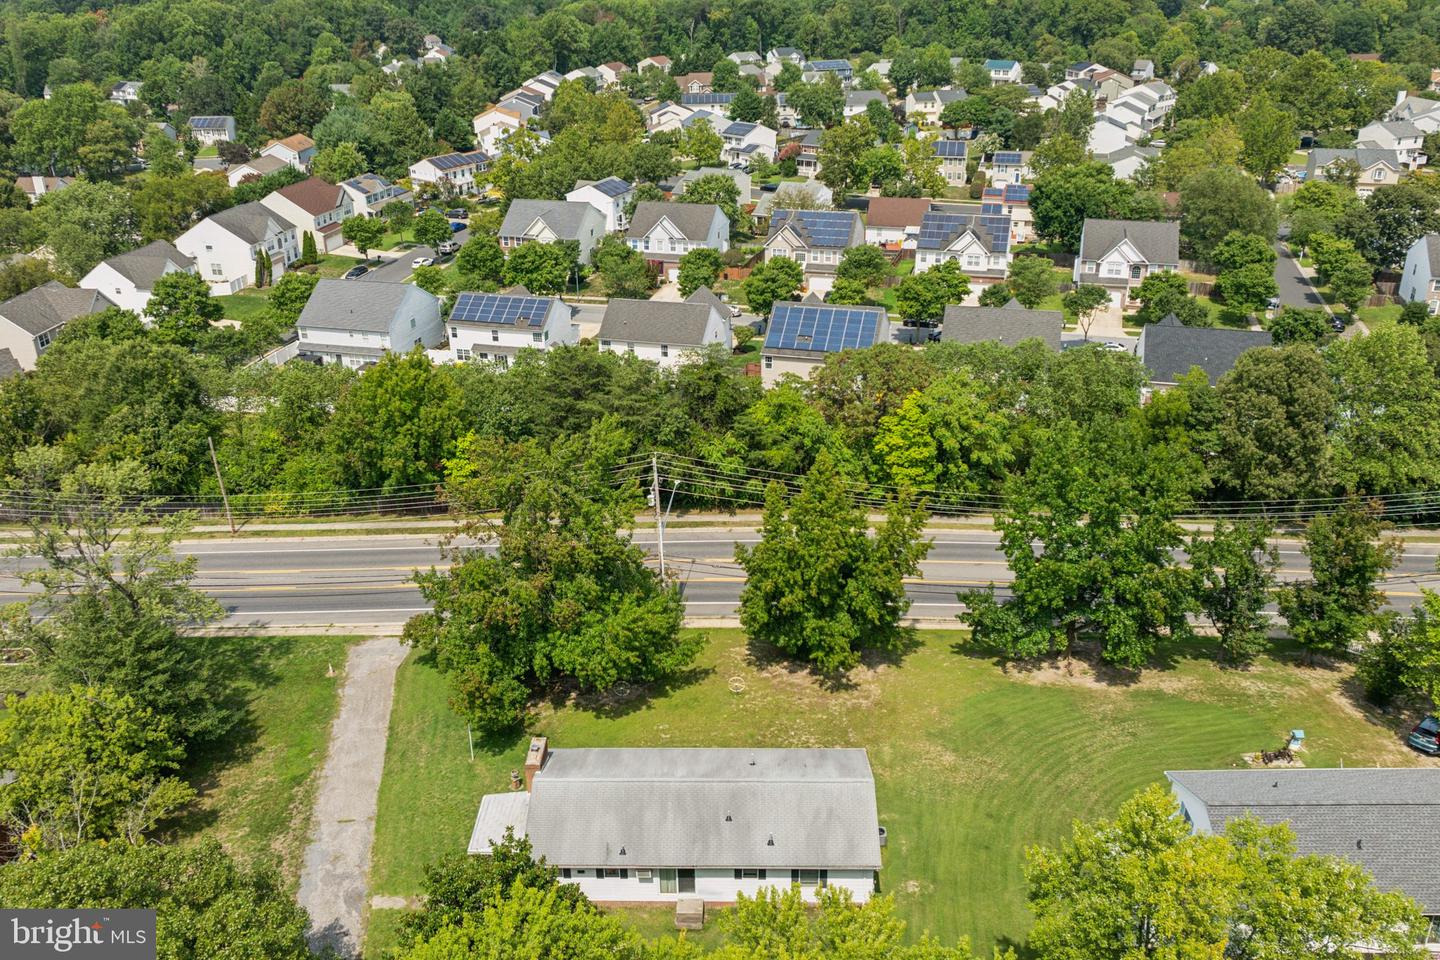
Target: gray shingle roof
point(9, 366)
point(565, 218)
point(655, 321)
point(1431, 247)
point(1157, 240)
point(1386, 820)
point(707, 296)
point(1366, 157)
point(1169, 348)
point(1009, 324)
point(250, 221)
point(705, 808)
point(691, 219)
point(50, 305)
point(361, 305)
point(144, 266)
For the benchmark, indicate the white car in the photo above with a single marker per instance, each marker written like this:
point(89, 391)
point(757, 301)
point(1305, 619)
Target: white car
point(422, 262)
point(1114, 347)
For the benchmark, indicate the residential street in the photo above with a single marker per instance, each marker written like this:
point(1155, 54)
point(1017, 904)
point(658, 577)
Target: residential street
point(397, 269)
point(1295, 289)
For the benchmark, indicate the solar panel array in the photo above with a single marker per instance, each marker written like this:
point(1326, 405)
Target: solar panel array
point(1007, 156)
point(1017, 193)
point(209, 123)
point(820, 228)
point(939, 228)
point(829, 65)
point(951, 148)
point(823, 327)
point(740, 129)
point(500, 308)
point(704, 98)
point(450, 161)
point(612, 186)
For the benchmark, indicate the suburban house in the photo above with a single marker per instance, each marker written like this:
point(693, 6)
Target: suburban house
point(35, 186)
point(253, 169)
point(440, 53)
point(978, 241)
point(1387, 820)
point(806, 153)
point(779, 55)
point(1143, 106)
point(1003, 71)
point(126, 91)
point(786, 114)
point(208, 130)
point(856, 101)
point(742, 180)
point(356, 324)
point(953, 155)
point(370, 193)
point(718, 103)
point(815, 239)
point(745, 141)
point(1008, 325)
point(1420, 277)
point(668, 824)
point(1169, 349)
point(126, 279)
point(1143, 71)
point(1126, 162)
point(297, 150)
point(666, 117)
point(925, 106)
point(30, 322)
point(608, 196)
point(817, 70)
point(715, 121)
point(1013, 201)
point(666, 231)
point(742, 57)
point(450, 173)
point(658, 62)
point(1009, 166)
point(808, 194)
point(610, 73)
point(1421, 111)
point(894, 222)
point(549, 221)
point(396, 64)
point(225, 245)
point(496, 326)
point(1375, 167)
point(1402, 136)
point(492, 126)
point(1119, 254)
point(801, 335)
point(663, 331)
point(315, 207)
point(697, 82)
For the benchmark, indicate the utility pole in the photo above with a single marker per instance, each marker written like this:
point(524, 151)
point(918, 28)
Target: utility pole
point(659, 521)
point(221, 480)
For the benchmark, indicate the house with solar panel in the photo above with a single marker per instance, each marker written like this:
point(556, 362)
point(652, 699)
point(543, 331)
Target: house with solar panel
point(661, 825)
point(208, 130)
point(551, 221)
point(664, 231)
point(978, 241)
point(450, 174)
point(225, 245)
point(1009, 166)
point(953, 154)
point(609, 196)
point(815, 71)
point(370, 193)
point(717, 103)
point(816, 240)
point(801, 335)
point(1013, 201)
point(494, 327)
point(744, 142)
point(355, 324)
point(126, 279)
point(1119, 254)
point(665, 332)
point(315, 207)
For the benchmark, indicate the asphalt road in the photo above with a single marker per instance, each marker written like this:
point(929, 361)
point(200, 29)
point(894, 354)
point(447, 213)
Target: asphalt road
point(398, 270)
point(1295, 290)
point(364, 581)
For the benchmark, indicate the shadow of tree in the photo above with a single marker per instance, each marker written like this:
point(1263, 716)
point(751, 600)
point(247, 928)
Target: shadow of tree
point(766, 656)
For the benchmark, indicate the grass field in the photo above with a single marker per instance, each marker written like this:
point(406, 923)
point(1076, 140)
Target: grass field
point(256, 797)
point(248, 303)
point(973, 762)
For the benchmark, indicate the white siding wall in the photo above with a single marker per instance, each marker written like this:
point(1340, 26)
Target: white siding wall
point(118, 289)
point(714, 886)
point(773, 368)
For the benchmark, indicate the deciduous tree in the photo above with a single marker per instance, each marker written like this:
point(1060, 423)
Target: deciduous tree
point(770, 282)
point(699, 268)
point(1235, 566)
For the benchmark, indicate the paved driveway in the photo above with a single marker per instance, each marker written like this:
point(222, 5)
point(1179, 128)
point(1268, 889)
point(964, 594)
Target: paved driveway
point(1295, 289)
point(397, 268)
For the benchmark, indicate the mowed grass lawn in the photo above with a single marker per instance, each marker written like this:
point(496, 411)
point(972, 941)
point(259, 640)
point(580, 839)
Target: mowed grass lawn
point(973, 762)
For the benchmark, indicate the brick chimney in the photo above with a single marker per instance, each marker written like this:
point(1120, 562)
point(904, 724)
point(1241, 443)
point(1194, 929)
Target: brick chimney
point(535, 759)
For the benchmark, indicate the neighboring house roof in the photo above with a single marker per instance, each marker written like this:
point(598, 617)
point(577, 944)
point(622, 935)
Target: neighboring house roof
point(263, 165)
point(369, 184)
point(297, 142)
point(942, 97)
point(655, 321)
point(51, 304)
point(860, 98)
point(897, 211)
point(210, 123)
point(951, 149)
point(1386, 820)
point(739, 129)
point(1169, 349)
point(367, 306)
point(705, 807)
point(818, 228)
point(693, 220)
point(1430, 243)
point(144, 266)
point(611, 186)
point(9, 366)
point(1009, 324)
point(249, 221)
point(1158, 241)
point(565, 218)
point(999, 64)
point(451, 161)
point(313, 195)
point(706, 99)
point(706, 296)
point(942, 225)
point(829, 65)
point(513, 308)
point(806, 328)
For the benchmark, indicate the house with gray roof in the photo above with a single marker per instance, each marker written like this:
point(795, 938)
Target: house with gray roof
point(664, 231)
point(1119, 254)
point(1420, 277)
point(494, 327)
point(609, 196)
point(1372, 167)
point(856, 101)
point(969, 235)
point(30, 322)
point(370, 193)
point(1169, 349)
point(925, 106)
point(662, 331)
point(815, 239)
point(667, 824)
point(1008, 325)
point(127, 278)
point(1385, 820)
point(9, 366)
point(356, 322)
point(225, 245)
point(551, 221)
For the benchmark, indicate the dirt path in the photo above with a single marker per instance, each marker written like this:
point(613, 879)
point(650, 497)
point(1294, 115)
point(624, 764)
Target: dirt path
point(334, 876)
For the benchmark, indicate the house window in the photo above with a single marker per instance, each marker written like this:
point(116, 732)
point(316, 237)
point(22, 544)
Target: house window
point(42, 341)
point(749, 873)
point(209, 248)
point(462, 354)
point(667, 880)
point(454, 333)
point(216, 270)
point(664, 349)
point(1136, 271)
point(629, 348)
point(809, 878)
point(612, 873)
point(412, 323)
point(1114, 269)
point(605, 344)
point(503, 360)
point(972, 261)
point(535, 336)
point(494, 336)
point(1378, 173)
point(769, 362)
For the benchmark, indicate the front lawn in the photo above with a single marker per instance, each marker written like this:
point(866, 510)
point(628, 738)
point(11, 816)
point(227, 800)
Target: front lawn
point(332, 266)
point(1385, 316)
point(246, 304)
point(973, 762)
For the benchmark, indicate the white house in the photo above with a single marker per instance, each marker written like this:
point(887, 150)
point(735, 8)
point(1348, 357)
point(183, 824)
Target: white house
point(30, 322)
point(1402, 136)
point(36, 186)
point(254, 168)
point(664, 332)
point(1012, 200)
point(666, 231)
point(1375, 167)
point(370, 193)
point(496, 326)
point(856, 101)
point(1119, 254)
point(225, 245)
point(451, 174)
point(207, 130)
point(801, 335)
point(979, 242)
point(1421, 111)
point(1003, 71)
point(715, 102)
point(815, 239)
point(126, 91)
point(1420, 277)
point(609, 196)
point(356, 322)
point(667, 117)
point(742, 57)
point(745, 141)
point(438, 54)
point(895, 221)
point(127, 278)
point(494, 124)
point(925, 106)
point(954, 158)
point(662, 825)
point(779, 55)
point(296, 150)
point(1126, 162)
point(1009, 166)
point(611, 73)
point(315, 207)
point(658, 62)
point(549, 221)
point(816, 71)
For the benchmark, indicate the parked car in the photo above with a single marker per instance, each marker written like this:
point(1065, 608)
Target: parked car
point(456, 227)
point(448, 247)
point(1337, 324)
point(1273, 303)
point(459, 213)
point(1426, 736)
point(422, 261)
point(355, 273)
point(1114, 347)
